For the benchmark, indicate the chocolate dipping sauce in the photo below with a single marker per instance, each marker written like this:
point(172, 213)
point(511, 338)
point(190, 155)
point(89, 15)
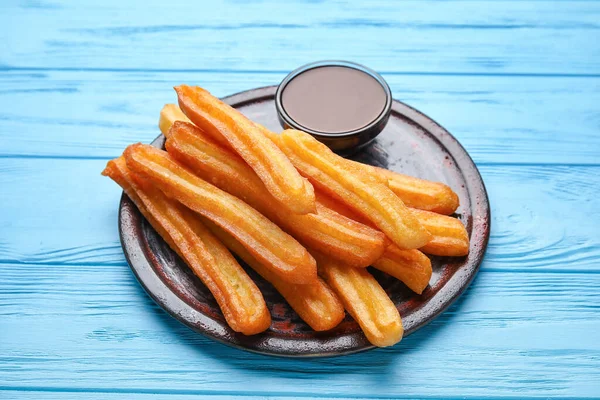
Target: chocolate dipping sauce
point(334, 99)
point(340, 103)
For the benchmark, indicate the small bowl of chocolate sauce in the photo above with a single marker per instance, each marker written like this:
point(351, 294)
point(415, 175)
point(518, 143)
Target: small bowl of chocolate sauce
point(342, 104)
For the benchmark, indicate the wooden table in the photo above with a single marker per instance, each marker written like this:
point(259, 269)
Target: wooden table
point(517, 82)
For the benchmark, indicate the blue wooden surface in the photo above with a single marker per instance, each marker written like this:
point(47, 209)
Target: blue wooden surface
point(517, 82)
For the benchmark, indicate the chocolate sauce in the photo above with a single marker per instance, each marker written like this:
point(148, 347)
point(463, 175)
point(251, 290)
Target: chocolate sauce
point(333, 99)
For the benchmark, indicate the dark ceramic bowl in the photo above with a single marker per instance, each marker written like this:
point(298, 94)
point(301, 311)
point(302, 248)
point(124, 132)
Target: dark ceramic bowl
point(345, 142)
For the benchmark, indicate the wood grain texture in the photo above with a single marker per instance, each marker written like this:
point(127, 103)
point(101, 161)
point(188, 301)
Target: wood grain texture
point(412, 36)
point(152, 394)
point(503, 120)
point(91, 328)
point(64, 212)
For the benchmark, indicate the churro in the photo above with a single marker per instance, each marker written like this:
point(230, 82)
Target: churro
point(168, 115)
point(412, 267)
point(315, 303)
point(376, 202)
point(223, 122)
point(419, 193)
point(238, 297)
point(266, 241)
point(364, 298)
point(449, 236)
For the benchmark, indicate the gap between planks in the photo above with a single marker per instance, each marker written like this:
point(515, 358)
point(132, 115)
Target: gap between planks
point(479, 164)
point(8, 68)
point(103, 265)
point(232, 394)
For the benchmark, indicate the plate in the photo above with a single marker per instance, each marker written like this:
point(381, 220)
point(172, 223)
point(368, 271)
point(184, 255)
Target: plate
point(412, 144)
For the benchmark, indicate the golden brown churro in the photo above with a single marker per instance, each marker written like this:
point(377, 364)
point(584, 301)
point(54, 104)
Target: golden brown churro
point(411, 267)
point(449, 236)
point(237, 295)
point(315, 303)
point(221, 121)
point(168, 115)
point(325, 230)
point(376, 202)
point(265, 240)
point(414, 192)
point(420, 193)
point(365, 300)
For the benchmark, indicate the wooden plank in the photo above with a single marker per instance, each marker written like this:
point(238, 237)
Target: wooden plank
point(498, 119)
point(64, 212)
point(88, 328)
point(152, 394)
point(497, 37)
point(110, 394)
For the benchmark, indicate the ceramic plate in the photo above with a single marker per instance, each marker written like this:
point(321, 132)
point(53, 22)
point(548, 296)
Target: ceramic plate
point(412, 144)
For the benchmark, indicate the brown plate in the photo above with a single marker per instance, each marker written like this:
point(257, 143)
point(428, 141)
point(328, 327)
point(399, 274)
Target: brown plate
point(411, 143)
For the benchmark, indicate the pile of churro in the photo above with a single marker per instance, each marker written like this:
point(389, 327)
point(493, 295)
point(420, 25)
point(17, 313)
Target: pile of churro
point(305, 219)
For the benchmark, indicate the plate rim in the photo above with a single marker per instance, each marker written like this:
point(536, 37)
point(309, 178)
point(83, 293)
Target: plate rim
point(135, 247)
